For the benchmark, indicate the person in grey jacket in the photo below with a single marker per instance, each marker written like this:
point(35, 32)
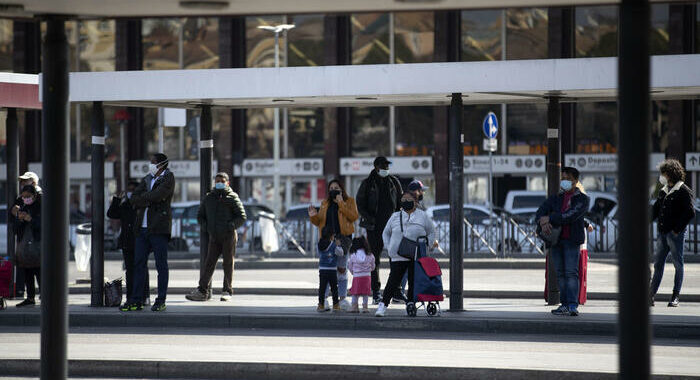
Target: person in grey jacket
point(220, 214)
point(416, 226)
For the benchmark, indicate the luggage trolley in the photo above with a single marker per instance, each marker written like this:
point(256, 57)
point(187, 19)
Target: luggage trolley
point(427, 283)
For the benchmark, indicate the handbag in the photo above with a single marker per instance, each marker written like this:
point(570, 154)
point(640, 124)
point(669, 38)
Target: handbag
point(407, 247)
point(28, 254)
point(550, 239)
point(113, 293)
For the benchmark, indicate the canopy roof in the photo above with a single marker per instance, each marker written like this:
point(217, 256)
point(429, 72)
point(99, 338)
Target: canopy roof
point(19, 91)
point(519, 81)
point(187, 8)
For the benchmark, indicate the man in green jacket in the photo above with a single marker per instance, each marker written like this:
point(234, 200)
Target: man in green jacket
point(220, 214)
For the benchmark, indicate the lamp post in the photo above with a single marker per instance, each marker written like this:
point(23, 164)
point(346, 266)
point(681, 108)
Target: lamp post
point(276, 143)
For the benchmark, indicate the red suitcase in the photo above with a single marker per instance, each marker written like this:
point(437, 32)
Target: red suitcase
point(5, 277)
point(582, 277)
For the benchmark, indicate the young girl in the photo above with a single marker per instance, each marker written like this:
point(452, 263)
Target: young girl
point(360, 264)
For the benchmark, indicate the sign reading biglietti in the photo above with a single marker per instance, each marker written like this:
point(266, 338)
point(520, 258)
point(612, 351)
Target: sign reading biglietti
point(306, 167)
point(604, 163)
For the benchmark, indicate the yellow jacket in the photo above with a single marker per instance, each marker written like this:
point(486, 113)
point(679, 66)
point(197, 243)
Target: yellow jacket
point(347, 215)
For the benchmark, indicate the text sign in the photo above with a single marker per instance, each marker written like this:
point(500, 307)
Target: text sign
point(399, 165)
point(310, 167)
point(180, 169)
point(505, 164)
point(604, 163)
point(692, 161)
point(490, 126)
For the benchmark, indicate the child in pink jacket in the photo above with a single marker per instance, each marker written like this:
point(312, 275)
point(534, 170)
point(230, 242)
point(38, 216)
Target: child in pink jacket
point(360, 265)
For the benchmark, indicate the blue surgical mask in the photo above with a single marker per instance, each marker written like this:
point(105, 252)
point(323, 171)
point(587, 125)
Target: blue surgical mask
point(566, 184)
point(220, 186)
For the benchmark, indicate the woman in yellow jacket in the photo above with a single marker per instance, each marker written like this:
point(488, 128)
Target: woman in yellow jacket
point(338, 212)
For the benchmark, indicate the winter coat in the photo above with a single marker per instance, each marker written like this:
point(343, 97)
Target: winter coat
point(157, 201)
point(221, 213)
point(572, 217)
point(34, 211)
point(328, 254)
point(371, 203)
point(347, 215)
point(361, 266)
point(122, 210)
point(415, 225)
point(674, 208)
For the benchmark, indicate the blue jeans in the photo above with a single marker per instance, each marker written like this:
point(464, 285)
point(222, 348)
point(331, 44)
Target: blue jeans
point(565, 256)
point(674, 244)
point(145, 244)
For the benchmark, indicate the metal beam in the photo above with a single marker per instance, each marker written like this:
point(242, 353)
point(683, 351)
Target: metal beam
point(54, 202)
point(12, 162)
point(633, 190)
point(206, 156)
point(456, 157)
point(97, 263)
point(553, 176)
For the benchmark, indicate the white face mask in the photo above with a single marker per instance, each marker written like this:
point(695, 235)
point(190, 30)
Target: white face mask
point(663, 180)
point(153, 168)
point(128, 194)
point(383, 172)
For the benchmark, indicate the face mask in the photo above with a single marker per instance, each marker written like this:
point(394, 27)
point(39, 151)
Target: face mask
point(407, 205)
point(153, 168)
point(663, 180)
point(128, 194)
point(566, 185)
point(383, 172)
point(220, 186)
point(28, 201)
point(334, 193)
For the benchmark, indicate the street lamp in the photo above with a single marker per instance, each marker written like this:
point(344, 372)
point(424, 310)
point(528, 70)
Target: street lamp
point(276, 143)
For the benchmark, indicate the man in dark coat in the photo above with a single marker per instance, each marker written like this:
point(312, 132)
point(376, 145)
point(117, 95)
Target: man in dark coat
point(154, 218)
point(565, 212)
point(220, 214)
point(379, 196)
point(121, 209)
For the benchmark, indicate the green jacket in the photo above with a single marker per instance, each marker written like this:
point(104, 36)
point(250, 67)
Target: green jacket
point(157, 200)
point(221, 213)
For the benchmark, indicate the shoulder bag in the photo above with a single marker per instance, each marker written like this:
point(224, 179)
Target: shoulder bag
point(407, 248)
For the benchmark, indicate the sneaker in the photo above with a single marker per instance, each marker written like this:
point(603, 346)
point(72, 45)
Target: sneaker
point(345, 305)
point(326, 305)
point(400, 298)
point(158, 306)
point(147, 302)
point(336, 307)
point(365, 309)
point(354, 308)
point(131, 307)
point(321, 308)
point(573, 311)
point(226, 295)
point(208, 294)
point(26, 302)
point(674, 301)
point(377, 299)
point(381, 310)
point(561, 310)
point(196, 295)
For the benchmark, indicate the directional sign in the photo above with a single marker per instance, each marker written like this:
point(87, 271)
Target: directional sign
point(604, 163)
point(309, 167)
point(399, 165)
point(502, 164)
point(490, 126)
point(692, 161)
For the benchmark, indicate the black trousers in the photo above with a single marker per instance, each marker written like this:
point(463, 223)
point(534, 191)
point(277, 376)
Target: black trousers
point(376, 245)
point(326, 277)
point(393, 284)
point(29, 275)
point(129, 262)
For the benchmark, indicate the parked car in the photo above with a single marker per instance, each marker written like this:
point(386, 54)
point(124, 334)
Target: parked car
point(525, 202)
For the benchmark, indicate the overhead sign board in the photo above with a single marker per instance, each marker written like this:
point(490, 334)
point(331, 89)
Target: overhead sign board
point(692, 161)
point(399, 165)
point(604, 163)
point(180, 169)
point(505, 164)
point(76, 170)
point(306, 167)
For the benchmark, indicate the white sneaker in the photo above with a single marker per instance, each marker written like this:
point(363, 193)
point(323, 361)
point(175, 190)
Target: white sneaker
point(381, 309)
point(226, 296)
point(345, 305)
point(326, 305)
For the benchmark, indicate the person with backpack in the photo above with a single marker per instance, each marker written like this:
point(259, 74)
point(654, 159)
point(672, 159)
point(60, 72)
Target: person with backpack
point(378, 197)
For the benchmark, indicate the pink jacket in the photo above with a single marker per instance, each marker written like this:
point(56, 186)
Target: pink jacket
point(359, 266)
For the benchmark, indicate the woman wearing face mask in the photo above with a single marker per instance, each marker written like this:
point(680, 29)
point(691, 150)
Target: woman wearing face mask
point(339, 212)
point(673, 210)
point(29, 218)
point(414, 224)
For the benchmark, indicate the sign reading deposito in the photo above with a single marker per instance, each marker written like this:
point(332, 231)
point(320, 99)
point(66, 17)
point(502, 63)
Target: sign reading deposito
point(309, 167)
point(604, 163)
point(505, 164)
point(399, 165)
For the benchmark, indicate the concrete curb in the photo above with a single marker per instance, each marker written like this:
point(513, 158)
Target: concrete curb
point(473, 325)
point(283, 371)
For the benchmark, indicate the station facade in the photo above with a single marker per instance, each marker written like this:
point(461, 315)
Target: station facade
point(322, 143)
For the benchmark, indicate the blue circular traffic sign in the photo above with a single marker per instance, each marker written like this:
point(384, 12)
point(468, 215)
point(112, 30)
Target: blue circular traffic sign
point(490, 126)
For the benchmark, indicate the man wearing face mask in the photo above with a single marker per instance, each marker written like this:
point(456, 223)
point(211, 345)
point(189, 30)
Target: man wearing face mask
point(378, 197)
point(673, 210)
point(220, 214)
point(565, 212)
point(154, 217)
point(121, 209)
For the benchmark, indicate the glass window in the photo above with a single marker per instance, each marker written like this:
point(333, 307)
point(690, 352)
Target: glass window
point(481, 35)
point(305, 41)
point(659, 126)
point(160, 44)
point(596, 127)
point(200, 43)
point(414, 131)
point(97, 46)
point(306, 132)
point(527, 126)
point(596, 31)
point(658, 43)
point(526, 33)
point(370, 38)
point(6, 45)
point(370, 131)
point(259, 132)
point(260, 44)
point(414, 36)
